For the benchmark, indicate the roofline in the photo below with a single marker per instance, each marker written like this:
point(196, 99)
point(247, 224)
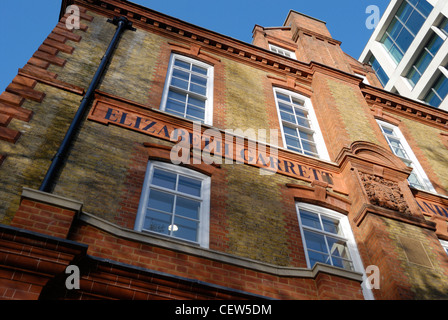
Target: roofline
point(302, 14)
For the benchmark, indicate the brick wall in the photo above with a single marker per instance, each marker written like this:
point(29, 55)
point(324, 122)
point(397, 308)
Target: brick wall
point(427, 144)
point(388, 244)
point(108, 246)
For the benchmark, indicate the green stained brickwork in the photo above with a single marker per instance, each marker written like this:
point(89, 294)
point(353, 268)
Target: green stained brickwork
point(246, 106)
point(348, 101)
point(430, 143)
point(131, 71)
point(96, 171)
point(254, 210)
point(82, 64)
point(28, 159)
point(129, 74)
point(425, 273)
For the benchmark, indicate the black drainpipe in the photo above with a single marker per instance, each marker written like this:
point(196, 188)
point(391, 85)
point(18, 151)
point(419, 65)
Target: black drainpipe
point(122, 24)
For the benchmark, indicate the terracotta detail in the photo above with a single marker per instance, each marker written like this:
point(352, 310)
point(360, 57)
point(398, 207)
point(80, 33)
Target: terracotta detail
point(384, 193)
point(319, 193)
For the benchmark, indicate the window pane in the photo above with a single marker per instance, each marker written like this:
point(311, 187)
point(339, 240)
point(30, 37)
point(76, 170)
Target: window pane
point(164, 179)
point(196, 102)
point(415, 22)
point(283, 97)
point(396, 53)
point(442, 87)
point(395, 143)
point(293, 143)
point(341, 263)
point(290, 131)
point(331, 225)
point(423, 61)
point(287, 117)
point(183, 75)
point(382, 76)
point(157, 222)
point(199, 80)
point(404, 40)
point(199, 70)
point(424, 7)
point(444, 26)
point(315, 241)
point(318, 257)
point(182, 64)
point(387, 130)
point(175, 106)
point(303, 122)
point(190, 186)
point(414, 181)
point(179, 83)
point(432, 99)
point(400, 153)
point(310, 219)
point(306, 135)
point(394, 30)
point(387, 42)
point(309, 146)
point(413, 76)
point(434, 44)
point(187, 208)
point(198, 89)
point(161, 201)
point(404, 11)
point(297, 102)
point(301, 113)
point(185, 229)
point(285, 108)
point(182, 97)
point(195, 113)
point(338, 248)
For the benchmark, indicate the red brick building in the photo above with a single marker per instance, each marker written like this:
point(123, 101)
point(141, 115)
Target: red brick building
point(162, 160)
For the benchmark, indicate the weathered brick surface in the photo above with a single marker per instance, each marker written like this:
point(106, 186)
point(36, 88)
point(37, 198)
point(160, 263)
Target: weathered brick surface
point(427, 145)
point(251, 216)
point(253, 210)
point(28, 159)
point(379, 243)
point(343, 115)
point(43, 218)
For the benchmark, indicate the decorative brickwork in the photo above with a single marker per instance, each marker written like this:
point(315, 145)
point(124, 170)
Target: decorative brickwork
point(258, 245)
point(384, 193)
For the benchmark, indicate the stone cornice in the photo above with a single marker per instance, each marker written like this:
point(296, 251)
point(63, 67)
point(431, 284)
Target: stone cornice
point(195, 250)
point(148, 19)
point(405, 107)
point(213, 42)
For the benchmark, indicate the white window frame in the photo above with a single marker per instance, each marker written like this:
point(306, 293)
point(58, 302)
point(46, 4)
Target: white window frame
point(282, 51)
point(347, 236)
point(208, 117)
point(318, 137)
point(444, 244)
point(417, 168)
point(204, 212)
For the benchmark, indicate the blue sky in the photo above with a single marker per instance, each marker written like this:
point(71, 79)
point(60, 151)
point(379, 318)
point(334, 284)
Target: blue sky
point(25, 24)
